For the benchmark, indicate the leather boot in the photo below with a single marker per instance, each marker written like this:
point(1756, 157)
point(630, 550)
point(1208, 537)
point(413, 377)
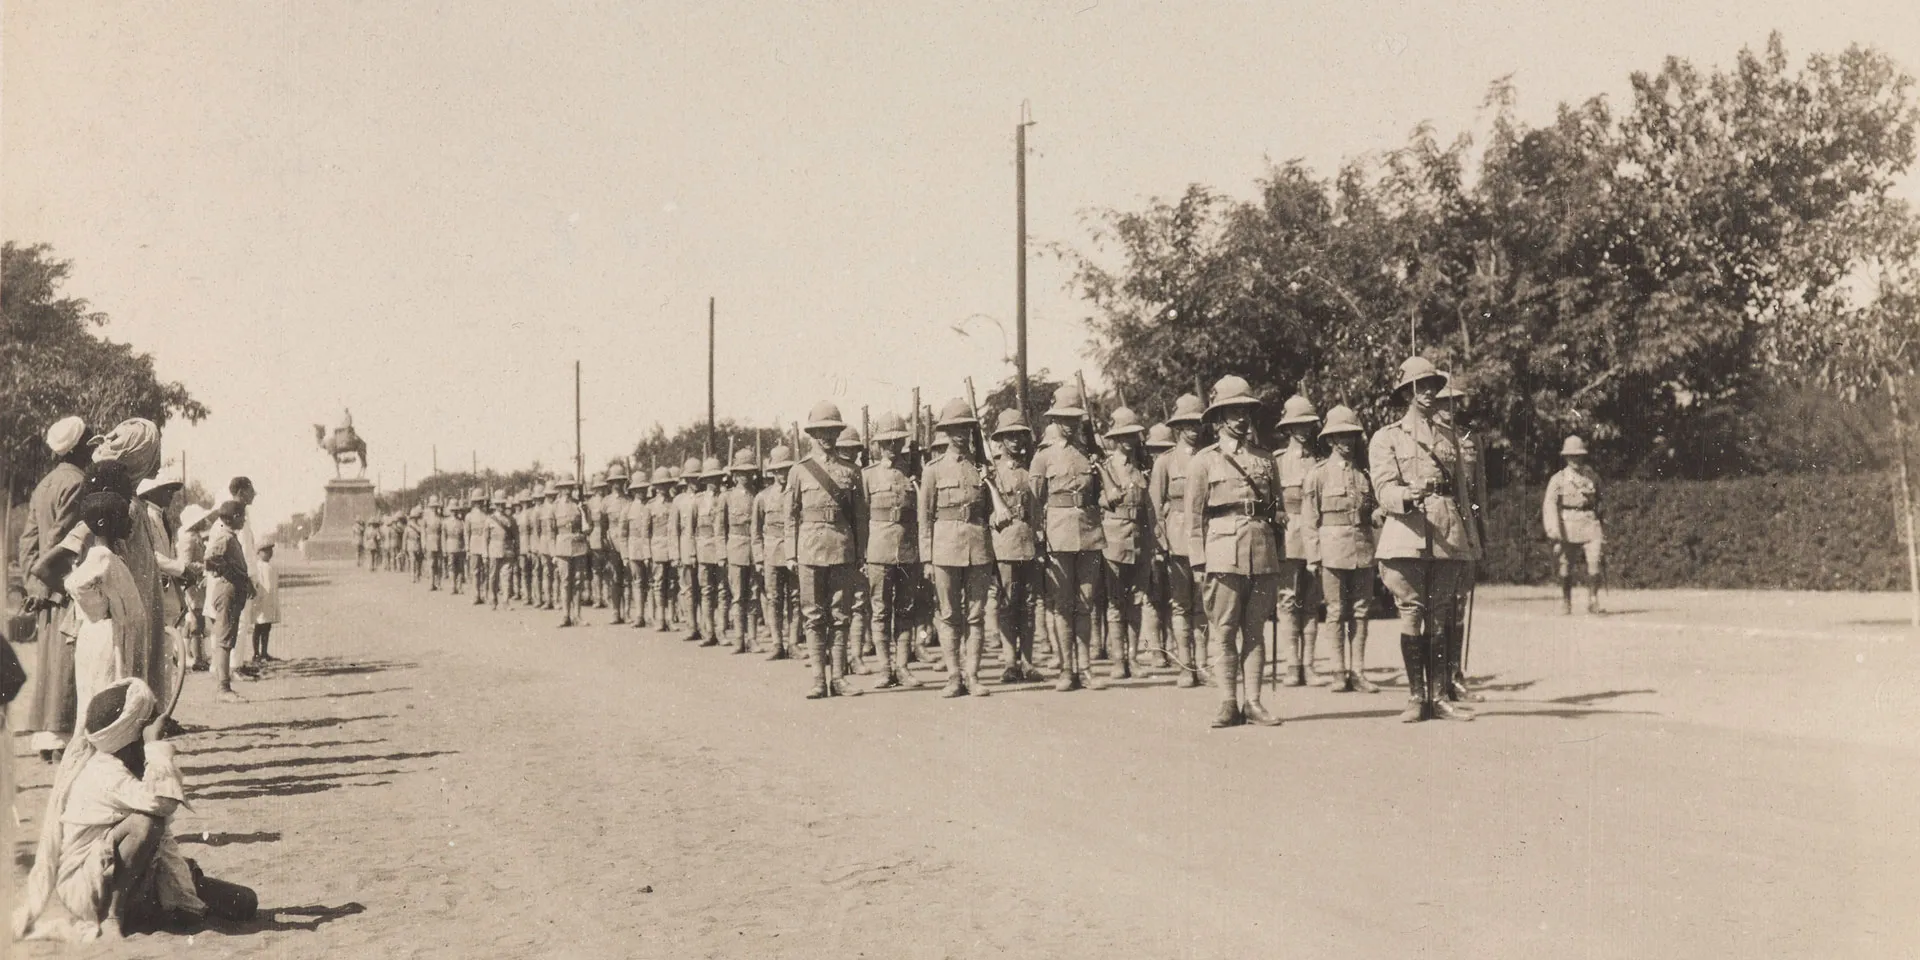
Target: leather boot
point(1593, 598)
point(903, 660)
point(817, 647)
point(1358, 638)
point(838, 686)
point(1227, 667)
point(1122, 651)
point(1152, 632)
point(1310, 634)
point(1087, 678)
point(1256, 713)
point(1414, 658)
point(884, 653)
point(950, 656)
point(1438, 677)
point(1340, 653)
point(1297, 673)
point(1566, 596)
point(1183, 647)
point(1457, 690)
point(975, 647)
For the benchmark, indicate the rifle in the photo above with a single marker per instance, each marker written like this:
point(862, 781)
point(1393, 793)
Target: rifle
point(1002, 514)
point(866, 436)
point(759, 465)
point(798, 450)
point(915, 445)
point(1092, 438)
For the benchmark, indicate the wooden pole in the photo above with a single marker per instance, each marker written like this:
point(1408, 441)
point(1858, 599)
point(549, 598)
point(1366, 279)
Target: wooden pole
point(1020, 258)
point(579, 457)
point(1906, 496)
point(710, 352)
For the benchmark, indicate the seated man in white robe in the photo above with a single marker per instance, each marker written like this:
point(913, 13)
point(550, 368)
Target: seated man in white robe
point(106, 858)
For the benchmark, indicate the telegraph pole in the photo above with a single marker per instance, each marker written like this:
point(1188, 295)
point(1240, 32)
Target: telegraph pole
point(579, 458)
point(710, 351)
point(436, 460)
point(1020, 254)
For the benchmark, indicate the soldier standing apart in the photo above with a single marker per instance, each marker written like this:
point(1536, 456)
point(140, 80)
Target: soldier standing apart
point(775, 552)
point(1571, 514)
point(1336, 523)
point(892, 551)
point(1425, 542)
point(1233, 494)
point(1299, 589)
point(1473, 468)
point(1127, 525)
point(1066, 484)
point(359, 544)
point(1168, 490)
point(736, 515)
point(828, 545)
point(954, 511)
point(1015, 548)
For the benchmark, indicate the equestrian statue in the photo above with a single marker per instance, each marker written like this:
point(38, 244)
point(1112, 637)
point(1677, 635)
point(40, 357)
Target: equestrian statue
point(344, 446)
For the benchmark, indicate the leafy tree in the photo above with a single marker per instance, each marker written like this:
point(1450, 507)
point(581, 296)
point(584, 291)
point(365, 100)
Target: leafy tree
point(53, 364)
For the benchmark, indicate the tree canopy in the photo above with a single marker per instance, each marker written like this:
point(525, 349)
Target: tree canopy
point(1663, 279)
point(54, 364)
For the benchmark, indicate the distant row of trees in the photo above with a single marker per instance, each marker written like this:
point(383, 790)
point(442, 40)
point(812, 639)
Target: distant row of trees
point(1705, 281)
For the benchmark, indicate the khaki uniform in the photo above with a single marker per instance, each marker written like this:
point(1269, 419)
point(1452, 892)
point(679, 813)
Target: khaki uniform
point(892, 557)
point(953, 511)
point(663, 542)
point(1016, 554)
point(736, 516)
point(1127, 525)
point(636, 528)
point(687, 541)
point(774, 549)
point(1167, 491)
point(1236, 517)
point(1299, 588)
point(1570, 515)
point(824, 499)
point(1066, 497)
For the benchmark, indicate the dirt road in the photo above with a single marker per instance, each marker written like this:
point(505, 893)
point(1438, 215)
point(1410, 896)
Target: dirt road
point(1703, 775)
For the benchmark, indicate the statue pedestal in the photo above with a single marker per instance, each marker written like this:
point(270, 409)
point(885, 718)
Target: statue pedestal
point(348, 501)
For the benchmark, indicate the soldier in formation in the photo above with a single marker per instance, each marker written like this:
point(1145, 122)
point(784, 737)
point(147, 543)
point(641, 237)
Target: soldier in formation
point(1127, 527)
point(823, 492)
point(955, 511)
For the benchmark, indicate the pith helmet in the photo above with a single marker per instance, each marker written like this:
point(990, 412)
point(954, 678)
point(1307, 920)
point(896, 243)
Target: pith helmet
point(617, 473)
point(849, 439)
point(1232, 391)
point(1574, 447)
point(892, 426)
point(1011, 421)
point(825, 415)
point(690, 469)
point(598, 481)
point(566, 480)
point(1416, 369)
point(417, 511)
point(675, 473)
point(1456, 387)
point(780, 457)
point(956, 413)
point(1125, 423)
point(661, 477)
point(433, 500)
point(744, 461)
point(65, 434)
point(499, 498)
point(940, 441)
point(1052, 435)
point(1067, 402)
point(1298, 409)
point(711, 468)
point(1187, 409)
point(1160, 437)
point(1341, 419)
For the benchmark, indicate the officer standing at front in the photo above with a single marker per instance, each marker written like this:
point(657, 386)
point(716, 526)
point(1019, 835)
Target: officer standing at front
point(828, 546)
point(892, 552)
point(1426, 541)
point(1233, 497)
point(1571, 514)
point(955, 510)
point(1015, 548)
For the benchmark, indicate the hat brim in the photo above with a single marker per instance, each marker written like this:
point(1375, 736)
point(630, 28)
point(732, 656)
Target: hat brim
point(1066, 412)
point(1192, 418)
point(1234, 402)
point(1331, 430)
point(1290, 421)
point(1406, 383)
point(1009, 431)
point(956, 422)
point(890, 435)
point(1124, 432)
point(780, 465)
point(825, 425)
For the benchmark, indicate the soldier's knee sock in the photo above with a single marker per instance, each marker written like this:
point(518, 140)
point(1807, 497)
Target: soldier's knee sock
point(1413, 657)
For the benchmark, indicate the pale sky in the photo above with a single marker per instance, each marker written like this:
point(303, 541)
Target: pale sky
point(428, 211)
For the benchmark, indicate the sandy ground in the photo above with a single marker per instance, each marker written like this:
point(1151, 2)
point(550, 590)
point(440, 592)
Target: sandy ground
point(1698, 775)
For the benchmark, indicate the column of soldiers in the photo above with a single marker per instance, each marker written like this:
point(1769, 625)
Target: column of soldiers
point(1155, 550)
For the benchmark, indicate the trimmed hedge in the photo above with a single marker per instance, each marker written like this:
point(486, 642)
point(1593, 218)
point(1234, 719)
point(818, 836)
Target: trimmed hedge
point(1803, 532)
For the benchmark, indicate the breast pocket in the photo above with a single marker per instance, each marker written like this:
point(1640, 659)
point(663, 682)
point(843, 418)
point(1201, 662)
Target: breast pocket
point(951, 493)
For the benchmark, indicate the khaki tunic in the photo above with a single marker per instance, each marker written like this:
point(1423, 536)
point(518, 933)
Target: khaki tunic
point(1403, 455)
point(770, 542)
point(1126, 512)
point(1167, 489)
point(824, 529)
point(663, 531)
point(1570, 511)
point(1336, 516)
point(454, 534)
point(1233, 523)
point(710, 534)
point(954, 509)
point(736, 514)
point(1064, 485)
point(686, 512)
point(1016, 541)
point(638, 528)
point(888, 515)
point(570, 523)
point(1294, 464)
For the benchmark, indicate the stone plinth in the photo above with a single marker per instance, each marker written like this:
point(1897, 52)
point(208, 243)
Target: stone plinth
point(348, 501)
